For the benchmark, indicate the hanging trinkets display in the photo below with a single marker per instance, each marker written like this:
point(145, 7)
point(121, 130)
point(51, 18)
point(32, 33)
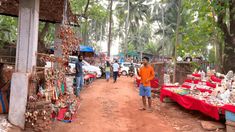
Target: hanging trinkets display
point(51, 97)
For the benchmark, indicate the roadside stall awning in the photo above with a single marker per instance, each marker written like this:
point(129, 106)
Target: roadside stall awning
point(132, 53)
point(84, 48)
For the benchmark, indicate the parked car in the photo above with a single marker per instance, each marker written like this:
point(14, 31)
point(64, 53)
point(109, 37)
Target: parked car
point(86, 66)
point(125, 68)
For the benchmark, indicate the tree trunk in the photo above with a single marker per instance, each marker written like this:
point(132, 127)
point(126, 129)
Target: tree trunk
point(229, 54)
point(176, 39)
point(127, 28)
point(110, 27)
point(41, 44)
point(229, 35)
point(85, 35)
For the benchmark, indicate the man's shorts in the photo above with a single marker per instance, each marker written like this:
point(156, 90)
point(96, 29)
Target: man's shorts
point(145, 90)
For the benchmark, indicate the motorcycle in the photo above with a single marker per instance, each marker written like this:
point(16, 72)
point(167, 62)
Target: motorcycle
point(131, 73)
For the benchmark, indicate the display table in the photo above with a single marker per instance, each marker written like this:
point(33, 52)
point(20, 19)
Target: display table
point(188, 83)
point(191, 103)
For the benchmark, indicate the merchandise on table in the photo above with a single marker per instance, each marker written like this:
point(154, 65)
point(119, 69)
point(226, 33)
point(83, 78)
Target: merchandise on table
point(215, 90)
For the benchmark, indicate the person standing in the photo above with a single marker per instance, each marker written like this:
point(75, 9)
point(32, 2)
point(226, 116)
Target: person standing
point(79, 75)
point(146, 74)
point(107, 70)
point(131, 71)
point(115, 71)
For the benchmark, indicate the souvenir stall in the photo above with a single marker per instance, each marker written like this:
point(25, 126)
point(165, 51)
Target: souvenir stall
point(88, 53)
point(49, 97)
point(210, 93)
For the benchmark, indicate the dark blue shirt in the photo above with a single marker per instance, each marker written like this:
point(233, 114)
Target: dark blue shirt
point(79, 71)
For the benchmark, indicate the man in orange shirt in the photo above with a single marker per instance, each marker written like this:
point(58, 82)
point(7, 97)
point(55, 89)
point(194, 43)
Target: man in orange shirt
point(146, 73)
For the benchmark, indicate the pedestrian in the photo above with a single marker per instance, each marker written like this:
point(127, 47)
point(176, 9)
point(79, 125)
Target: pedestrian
point(146, 74)
point(131, 70)
point(79, 76)
point(107, 70)
point(115, 68)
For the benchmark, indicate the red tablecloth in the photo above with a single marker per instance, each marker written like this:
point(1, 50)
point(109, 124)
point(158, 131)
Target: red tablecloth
point(192, 81)
point(211, 84)
point(169, 86)
point(185, 85)
point(230, 108)
point(88, 76)
point(192, 103)
point(215, 79)
point(204, 90)
point(196, 75)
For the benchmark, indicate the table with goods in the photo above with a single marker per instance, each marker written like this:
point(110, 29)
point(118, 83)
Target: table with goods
point(210, 93)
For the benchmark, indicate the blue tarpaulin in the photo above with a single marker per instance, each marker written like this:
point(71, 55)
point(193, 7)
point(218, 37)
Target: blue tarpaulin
point(84, 48)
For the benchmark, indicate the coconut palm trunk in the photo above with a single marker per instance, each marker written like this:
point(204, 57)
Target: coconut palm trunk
point(110, 27)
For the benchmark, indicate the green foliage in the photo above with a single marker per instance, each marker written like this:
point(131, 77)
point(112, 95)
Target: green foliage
point(131, 28)
point(92, 26)
point(50, 34)
point(151, 48)
point(8, 30)
point(9, 26)
point(97, 13)
point(131, 47)
point(78, 6)
point(198, 27)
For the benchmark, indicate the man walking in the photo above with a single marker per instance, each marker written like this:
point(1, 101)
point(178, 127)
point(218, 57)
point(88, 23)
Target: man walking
point(107, 70)
point(79, 76)
point(115, 71)
point(146, 74)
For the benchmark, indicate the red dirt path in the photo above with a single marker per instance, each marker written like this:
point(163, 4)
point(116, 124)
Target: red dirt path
point(108, 107)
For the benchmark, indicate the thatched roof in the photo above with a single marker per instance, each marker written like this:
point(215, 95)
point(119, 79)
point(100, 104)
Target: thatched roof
point(50, 10)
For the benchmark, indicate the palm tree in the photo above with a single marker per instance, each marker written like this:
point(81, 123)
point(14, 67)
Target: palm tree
point(134, 13)
point(110, 26)
point(166, 19)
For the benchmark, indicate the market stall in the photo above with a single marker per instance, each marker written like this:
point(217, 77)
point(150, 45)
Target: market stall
point(210, 93)
point(50, 95)
point(86, 51)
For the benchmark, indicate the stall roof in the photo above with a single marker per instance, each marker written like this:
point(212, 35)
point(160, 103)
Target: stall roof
point(50, 10)
point(84, 48)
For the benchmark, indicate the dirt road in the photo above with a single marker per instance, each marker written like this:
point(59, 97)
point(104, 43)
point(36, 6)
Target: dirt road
point(108, 107)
